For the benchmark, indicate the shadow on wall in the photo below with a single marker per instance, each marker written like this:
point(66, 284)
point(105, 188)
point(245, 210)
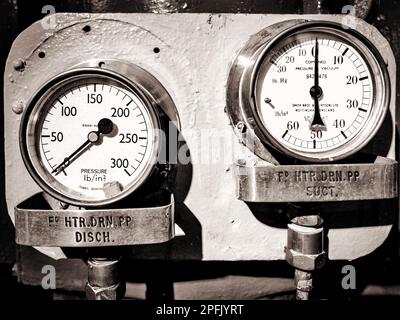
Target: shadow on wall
point(189, 245)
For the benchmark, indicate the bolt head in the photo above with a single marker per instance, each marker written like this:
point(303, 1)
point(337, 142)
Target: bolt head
point(19, 65)
point(18, 108)
point(64, 205)
point(241, 127)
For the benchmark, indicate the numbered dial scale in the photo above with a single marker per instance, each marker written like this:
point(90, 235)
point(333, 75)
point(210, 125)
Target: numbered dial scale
point(317, 92)
point(89, 137)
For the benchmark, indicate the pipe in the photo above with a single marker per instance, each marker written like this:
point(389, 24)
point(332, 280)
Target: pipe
point(305, 251)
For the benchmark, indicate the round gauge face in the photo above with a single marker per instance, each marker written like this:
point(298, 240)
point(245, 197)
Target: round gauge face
point(318, 94)
point(91, 139)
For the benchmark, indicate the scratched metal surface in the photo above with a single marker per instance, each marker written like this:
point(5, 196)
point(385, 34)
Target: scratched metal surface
point(217, 226)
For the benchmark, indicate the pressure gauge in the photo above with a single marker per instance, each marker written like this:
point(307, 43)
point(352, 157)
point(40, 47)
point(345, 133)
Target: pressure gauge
point(315, 92)
point(90, 136)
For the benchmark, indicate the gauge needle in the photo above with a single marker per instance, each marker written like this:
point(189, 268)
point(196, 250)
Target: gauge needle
point(316, 93)
point(105, 126)
point(269, 101)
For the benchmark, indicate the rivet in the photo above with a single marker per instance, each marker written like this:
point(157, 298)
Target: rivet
point(64, 205)
point(18, 108)
point(240, 126)
point(19, 65)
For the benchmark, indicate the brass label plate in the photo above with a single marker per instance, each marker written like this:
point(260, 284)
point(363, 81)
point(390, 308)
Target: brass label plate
point(94, 228)
point(316, 183)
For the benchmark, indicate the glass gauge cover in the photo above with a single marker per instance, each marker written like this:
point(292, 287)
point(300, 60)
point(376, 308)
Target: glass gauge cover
point(89, 137)
point(317, 92)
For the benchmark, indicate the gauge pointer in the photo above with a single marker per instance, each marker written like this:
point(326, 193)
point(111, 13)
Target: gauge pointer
point(316, 93)
point(105, 126)
point(269, 101)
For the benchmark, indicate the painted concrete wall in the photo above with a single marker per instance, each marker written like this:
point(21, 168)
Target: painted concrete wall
point(384, 16)
point(193, 66)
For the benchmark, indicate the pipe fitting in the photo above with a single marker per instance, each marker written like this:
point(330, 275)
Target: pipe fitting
point(104, 281)
point(114, 292)
point(305, 262)
point(305, 243)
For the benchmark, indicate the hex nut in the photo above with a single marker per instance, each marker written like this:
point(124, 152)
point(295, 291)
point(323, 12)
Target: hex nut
point(19, 65)
point(306, 262)
point(114, 292)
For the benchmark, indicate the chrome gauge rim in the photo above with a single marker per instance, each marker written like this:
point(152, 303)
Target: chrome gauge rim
point(252, 59)
point(32, 125)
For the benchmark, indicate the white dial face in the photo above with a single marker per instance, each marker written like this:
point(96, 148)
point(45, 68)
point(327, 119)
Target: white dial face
point(313, 106)
point(95, 139)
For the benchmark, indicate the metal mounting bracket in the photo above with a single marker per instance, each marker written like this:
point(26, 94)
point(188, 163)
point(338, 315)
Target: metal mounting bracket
point(94, 228)
point(263, 182)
